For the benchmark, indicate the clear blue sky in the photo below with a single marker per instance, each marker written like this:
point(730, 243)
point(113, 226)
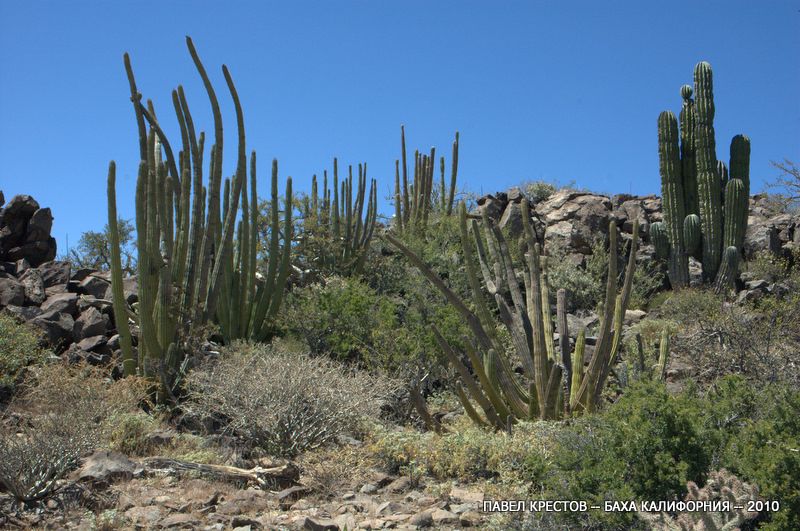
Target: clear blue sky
point(539, 90)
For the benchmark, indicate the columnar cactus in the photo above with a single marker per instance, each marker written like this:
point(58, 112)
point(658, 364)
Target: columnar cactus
point(556, 382)
point(672, 196)
point(705, 202)
point(413, 203)
point(336, 235)
point(188, 256)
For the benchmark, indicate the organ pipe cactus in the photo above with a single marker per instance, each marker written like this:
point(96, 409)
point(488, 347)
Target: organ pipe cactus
point(414, 202)
point(700, 192)
point(555, 383)
point(337, 233)
point(188, 255)
point(118, 295)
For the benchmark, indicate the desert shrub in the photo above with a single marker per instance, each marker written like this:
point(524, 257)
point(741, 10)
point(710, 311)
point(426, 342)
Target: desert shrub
point(282, 401)
point(538, 191)
point(646, 446)
point(584, 285)
point(19, 347)
point(759, 340)
point(766, 451)
point(129, 433)
point(338, 317)
point(467, 452)
point(349, 321)
point(770, 267)
point(32, 462)
point(67, 411)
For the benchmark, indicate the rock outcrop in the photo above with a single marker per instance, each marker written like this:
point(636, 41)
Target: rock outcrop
point(25, 232)
point(573, 219)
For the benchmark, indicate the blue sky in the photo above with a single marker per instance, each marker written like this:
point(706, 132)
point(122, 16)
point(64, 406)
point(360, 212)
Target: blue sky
point(560, 91)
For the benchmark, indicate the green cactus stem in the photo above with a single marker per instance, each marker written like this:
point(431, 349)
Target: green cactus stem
point(708, 178)
point(660, 240)
point(413, 203)
point(672, 197)
point(692, 234)
point(556, 382)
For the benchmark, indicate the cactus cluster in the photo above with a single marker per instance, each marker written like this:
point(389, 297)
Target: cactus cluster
point(721, 486)
point(414, 202)
point(557, 381)
point(336, 231)
point(191, 268)
point(705, 202)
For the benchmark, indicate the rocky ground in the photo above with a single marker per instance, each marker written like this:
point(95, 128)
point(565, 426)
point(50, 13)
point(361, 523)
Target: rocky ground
point(73, 310)
point(111, 491)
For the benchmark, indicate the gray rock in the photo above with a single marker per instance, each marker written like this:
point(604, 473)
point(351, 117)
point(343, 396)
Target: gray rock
point(95, 286)
point(92, 343)
point(511, 220)
point(21, 266)
point(62, 302)
point(32, 281)
point(368, 488)
point(442, 517)
point(90, 323)
point(515, 195)
point(12, 292)
point(26, 313)
point(401, 484)
point(54, 273)
point(492, 206)
point(39, 226)
point(57, 327)
point(106, 467)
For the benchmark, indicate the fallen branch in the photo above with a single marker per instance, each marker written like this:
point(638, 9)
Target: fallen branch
point(282, 475)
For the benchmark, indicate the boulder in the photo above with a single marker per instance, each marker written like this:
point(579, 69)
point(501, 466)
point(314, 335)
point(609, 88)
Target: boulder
point(62, 302)
point(25, 313)
point(95, 286)
point(54, 273)
point(90, 323)
point(36, 252)
point(32, 281)
point(106, 467)
point(39, 226)
point(12, 292)
point(492, 206)
point(57, 327)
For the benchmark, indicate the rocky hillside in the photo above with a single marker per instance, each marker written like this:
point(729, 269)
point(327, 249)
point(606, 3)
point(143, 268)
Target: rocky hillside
point(73, 307)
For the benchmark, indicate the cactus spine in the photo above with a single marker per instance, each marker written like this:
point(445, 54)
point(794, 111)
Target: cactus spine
point(556, 382)
point(714, 197)
point(414, 203)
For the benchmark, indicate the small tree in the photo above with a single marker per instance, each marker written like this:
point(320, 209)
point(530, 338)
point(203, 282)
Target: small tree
point(93, 250)
point(787, 183)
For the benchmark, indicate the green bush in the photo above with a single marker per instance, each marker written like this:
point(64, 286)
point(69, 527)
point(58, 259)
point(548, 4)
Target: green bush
point(538, 191)
point(766, 451)
point(349, 321)
point(19, 347)
point(646, 446)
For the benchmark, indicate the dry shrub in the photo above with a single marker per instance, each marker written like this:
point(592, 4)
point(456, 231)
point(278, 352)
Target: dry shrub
point(330, 471)
point(759, 340)
point(66, 412)
point(281, 401)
